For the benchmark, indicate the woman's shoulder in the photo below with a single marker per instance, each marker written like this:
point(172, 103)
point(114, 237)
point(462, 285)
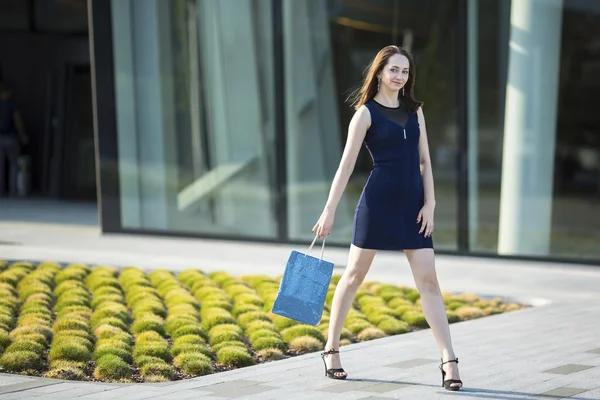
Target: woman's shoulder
point(362, 115)
point(364, 111)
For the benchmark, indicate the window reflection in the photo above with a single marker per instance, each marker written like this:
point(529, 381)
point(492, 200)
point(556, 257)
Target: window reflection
point(571, 146)
point(194, 97)
point(328, 47)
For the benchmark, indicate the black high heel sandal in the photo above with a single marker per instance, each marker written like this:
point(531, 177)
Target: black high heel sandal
point(447, 382)
point(331, 372)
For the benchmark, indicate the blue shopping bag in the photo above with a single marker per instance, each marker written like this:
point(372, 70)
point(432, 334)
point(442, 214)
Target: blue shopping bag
point(303, 287)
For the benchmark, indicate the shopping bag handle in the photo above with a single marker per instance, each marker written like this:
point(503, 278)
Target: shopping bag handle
point(313, 243)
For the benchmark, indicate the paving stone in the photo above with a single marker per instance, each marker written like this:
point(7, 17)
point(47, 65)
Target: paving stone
point(231, 389)
point(8, 379)
point(377, 398)
point(348, 386)
point(237, 383)
point(386, 387)
point(132, 392)
point(59, 387)
point(185, 395)
point(416, 362)
point(76, 393)
point(592, 395)
point(568, 369)
point(564, 392)
point(29, 384)
point(295, 394)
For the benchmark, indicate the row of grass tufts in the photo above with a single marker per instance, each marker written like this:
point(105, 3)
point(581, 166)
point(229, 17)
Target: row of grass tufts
point(151, 353)
point(27, 352)
point(249, 310)
point(110, 321)
point(225, 336)
point(73, 340)
point(9, 300)
point(191, 354)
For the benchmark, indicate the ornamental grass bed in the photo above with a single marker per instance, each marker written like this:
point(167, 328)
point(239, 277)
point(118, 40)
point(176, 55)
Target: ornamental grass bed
point(107, 324)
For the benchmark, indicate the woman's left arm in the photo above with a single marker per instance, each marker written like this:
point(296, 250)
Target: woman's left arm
point(426, 213)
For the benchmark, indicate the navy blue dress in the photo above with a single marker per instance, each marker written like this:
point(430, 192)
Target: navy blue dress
point(386, 214)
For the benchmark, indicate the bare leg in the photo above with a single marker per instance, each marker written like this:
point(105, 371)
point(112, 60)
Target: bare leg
point(359, 262)
point(422, 264)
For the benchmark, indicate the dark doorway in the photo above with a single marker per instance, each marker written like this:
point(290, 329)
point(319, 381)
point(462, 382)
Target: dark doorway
point(45, 61)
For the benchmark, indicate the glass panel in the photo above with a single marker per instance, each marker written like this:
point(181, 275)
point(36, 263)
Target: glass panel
point(576, 211)
point(195, 118)
point(537, 153)
point(328, 44)
point(489, 33)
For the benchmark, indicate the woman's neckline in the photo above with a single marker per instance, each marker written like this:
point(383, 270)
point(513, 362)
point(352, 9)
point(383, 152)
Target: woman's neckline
point(391, 108)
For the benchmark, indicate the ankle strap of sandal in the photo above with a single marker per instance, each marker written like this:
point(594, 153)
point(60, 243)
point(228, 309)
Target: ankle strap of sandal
point(449, 361)
point(331, 351)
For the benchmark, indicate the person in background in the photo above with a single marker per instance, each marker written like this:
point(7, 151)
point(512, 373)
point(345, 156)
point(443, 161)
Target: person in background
point(12, 137)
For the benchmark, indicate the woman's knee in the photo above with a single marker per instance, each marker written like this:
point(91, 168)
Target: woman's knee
point(427, 281)
point(355, 277)
point(359, 264)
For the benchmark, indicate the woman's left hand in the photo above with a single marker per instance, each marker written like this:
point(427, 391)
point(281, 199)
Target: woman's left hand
point(425, 217)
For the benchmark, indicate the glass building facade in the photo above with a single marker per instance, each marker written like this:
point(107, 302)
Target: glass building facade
point(227, 118)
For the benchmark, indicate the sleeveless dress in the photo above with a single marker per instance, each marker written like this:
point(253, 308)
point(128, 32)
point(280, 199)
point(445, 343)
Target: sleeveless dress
point(386, 214)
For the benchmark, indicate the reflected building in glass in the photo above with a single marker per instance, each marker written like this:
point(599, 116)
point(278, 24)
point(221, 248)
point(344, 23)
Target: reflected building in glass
point(228, 118)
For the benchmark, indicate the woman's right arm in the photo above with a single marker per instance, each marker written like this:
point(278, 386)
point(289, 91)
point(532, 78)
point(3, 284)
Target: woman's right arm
point(356, 134)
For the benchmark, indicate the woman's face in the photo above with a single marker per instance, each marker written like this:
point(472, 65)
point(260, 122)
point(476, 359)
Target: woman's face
point(395, 73)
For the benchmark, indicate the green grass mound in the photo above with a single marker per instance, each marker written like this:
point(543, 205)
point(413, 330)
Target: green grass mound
point(194, 364)
point(268, 343)
point(70, 352)
point(123, 354)
point(157, 369)
point(306, 344)
point(149, 322)
point(415, 318)
point(180, 348)
point(68, 373)
point(263, 333)
point(231, 343)
point(259, 326)
point(154, 349)
point(296, 331)
point(191, 339)
point(26, 345)
point(234, 357)
point(392, 326)
point(270, 355)
point(191, 329)
point(111, 368)
point(21, 361)
point(356, 325)
point(370, 334)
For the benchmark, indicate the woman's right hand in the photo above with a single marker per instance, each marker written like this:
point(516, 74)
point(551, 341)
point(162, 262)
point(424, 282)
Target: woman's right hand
point(324, 224)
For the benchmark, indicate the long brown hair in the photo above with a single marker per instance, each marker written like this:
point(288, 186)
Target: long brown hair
point(368, 89)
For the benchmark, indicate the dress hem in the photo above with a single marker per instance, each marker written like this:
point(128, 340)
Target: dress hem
point(392, 248)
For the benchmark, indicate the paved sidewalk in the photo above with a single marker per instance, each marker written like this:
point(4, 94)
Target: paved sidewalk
point(550, 351)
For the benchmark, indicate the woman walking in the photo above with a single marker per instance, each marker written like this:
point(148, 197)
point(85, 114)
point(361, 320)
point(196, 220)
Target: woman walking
point(395, 210)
